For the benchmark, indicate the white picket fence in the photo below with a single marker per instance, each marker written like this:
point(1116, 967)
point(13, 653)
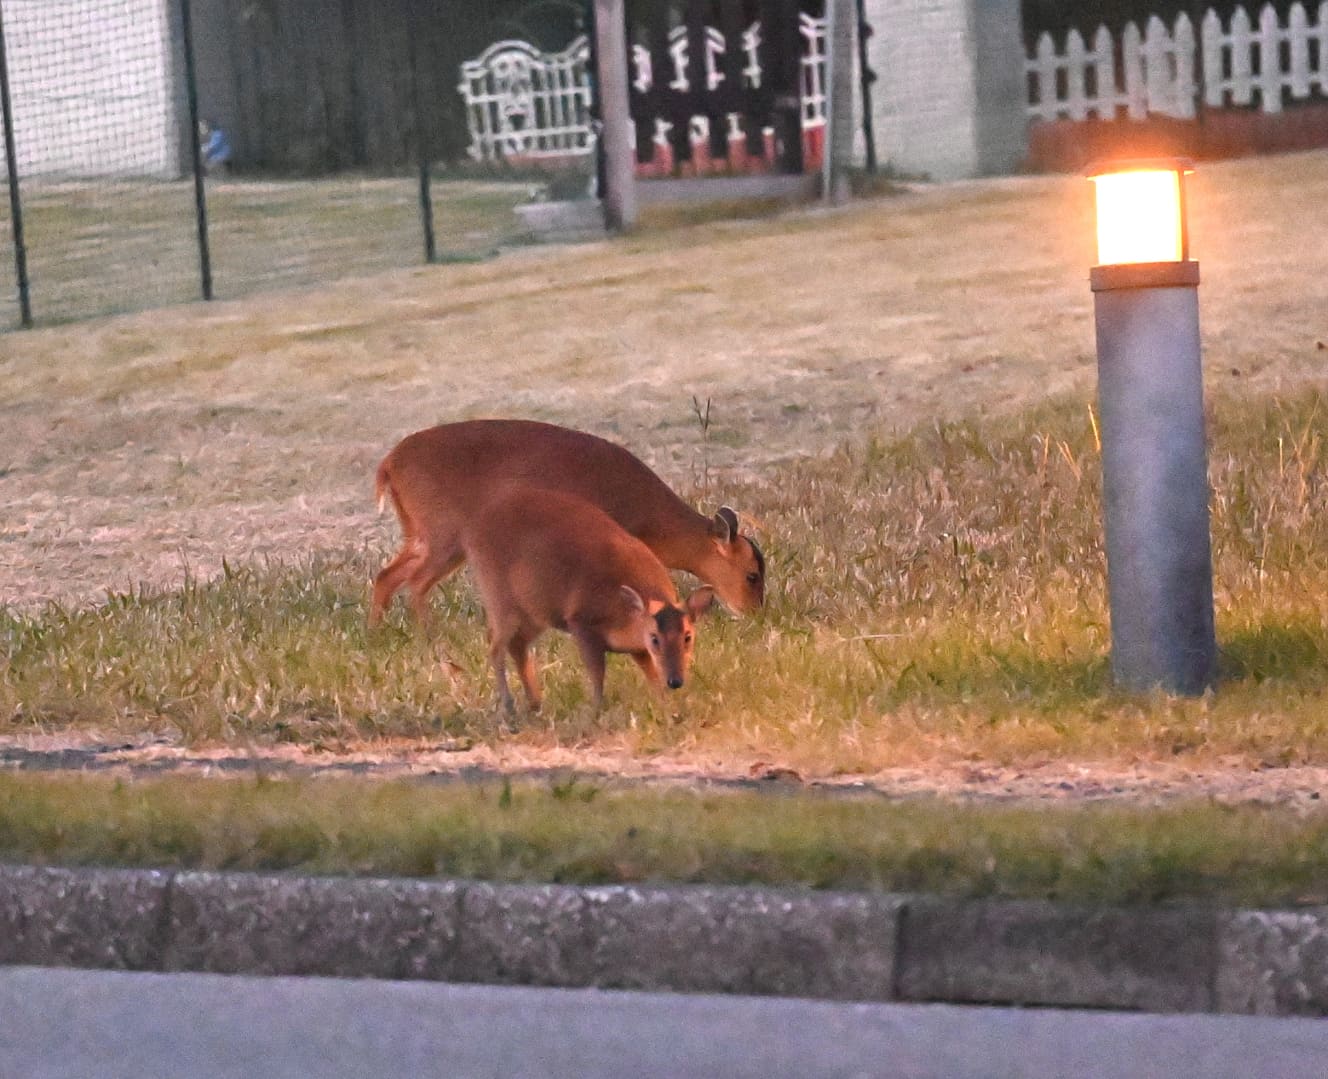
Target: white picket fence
point(523, 103)
point(1158, 66)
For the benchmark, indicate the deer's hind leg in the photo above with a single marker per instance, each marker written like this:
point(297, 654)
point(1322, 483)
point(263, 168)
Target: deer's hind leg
point(436, 564)
point(519, 649)
point(393, 577)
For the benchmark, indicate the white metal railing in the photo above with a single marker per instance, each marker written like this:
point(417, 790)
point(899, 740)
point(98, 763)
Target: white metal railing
point(521, 102)
point(813, 70)
point(1157, 67)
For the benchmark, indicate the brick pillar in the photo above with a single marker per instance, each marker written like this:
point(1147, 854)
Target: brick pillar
point(950, 100)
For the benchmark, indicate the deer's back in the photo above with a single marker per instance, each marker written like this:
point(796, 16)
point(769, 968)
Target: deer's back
point(463, 463)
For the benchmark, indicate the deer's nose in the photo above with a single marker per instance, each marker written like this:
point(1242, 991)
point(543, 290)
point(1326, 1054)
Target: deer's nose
point(675, 682)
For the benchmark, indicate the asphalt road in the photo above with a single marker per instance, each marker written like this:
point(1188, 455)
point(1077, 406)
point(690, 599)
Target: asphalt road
point(69, 1024)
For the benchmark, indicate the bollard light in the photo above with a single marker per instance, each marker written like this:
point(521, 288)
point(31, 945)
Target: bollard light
point(1141, 213)
point(1154, 455)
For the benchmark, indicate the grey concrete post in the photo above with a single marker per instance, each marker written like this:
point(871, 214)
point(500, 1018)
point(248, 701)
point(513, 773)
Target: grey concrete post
point(1000, 86)
point(1155, 477)
point(178, 88)
point(841, 24)
point(619, 193)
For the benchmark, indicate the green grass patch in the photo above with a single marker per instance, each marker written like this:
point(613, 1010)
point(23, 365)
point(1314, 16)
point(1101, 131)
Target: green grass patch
point(578, 831)
point(936, 596)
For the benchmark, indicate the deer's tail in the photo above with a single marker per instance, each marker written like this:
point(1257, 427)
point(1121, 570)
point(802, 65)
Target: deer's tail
point(383, 488)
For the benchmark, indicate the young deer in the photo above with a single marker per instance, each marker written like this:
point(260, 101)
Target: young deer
point(438, 478)
point(547, 560)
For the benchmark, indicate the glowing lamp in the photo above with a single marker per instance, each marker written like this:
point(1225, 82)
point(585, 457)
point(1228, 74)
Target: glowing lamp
point(1141, 214)
point(1141, 223)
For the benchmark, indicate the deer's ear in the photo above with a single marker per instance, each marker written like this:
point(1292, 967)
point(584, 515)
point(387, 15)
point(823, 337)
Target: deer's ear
point(633, 599)
point(700, 601)
point(724, 525)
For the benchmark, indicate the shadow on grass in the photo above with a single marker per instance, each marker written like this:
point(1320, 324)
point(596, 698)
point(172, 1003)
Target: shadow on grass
point(1290, 651)
point(1283, 651)
point(1005, 675)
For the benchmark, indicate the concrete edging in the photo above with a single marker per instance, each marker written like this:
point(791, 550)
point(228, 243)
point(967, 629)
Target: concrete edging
point(831, 945)
point(575, 220)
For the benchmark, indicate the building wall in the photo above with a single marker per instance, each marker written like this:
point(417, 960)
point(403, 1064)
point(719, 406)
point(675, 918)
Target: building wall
point(949, 100)
point(923, 100)
point(91, 88)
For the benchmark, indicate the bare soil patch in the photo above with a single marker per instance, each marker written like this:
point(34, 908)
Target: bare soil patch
point(1144, 783)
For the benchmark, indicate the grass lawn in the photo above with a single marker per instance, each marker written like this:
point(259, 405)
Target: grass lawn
point(570, 830)
point(122, 245)
point(898, 395)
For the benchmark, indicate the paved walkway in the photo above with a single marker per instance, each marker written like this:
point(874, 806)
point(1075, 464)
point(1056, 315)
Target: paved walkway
point(73, 1024)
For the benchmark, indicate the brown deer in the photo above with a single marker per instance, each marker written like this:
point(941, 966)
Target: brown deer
point(547, 560)
point(438, 478)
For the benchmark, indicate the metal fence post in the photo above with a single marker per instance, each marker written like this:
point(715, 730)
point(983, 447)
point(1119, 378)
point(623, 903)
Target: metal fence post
point(15, 202)
point(866, 77)
point(200, 193)
point(421, 138)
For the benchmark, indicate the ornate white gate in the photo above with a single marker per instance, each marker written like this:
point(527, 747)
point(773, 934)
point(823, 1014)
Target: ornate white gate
point(527, 106)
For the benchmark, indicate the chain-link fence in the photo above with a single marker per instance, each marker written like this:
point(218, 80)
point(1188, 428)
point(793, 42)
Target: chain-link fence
point(159, 151)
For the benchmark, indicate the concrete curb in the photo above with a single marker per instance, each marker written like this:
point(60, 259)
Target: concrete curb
point(831, 945)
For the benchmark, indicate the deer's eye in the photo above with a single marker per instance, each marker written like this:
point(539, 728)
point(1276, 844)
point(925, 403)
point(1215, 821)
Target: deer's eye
point(654, 640)
point(687, 639)
point(753, 578)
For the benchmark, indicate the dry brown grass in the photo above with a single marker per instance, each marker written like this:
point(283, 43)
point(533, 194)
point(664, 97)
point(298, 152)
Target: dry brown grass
point(143, 444)
point(146, 447)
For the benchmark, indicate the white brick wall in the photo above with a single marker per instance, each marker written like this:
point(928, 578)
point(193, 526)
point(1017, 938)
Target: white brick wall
point(90, 84)
point(940, 66)
point(923, 102)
